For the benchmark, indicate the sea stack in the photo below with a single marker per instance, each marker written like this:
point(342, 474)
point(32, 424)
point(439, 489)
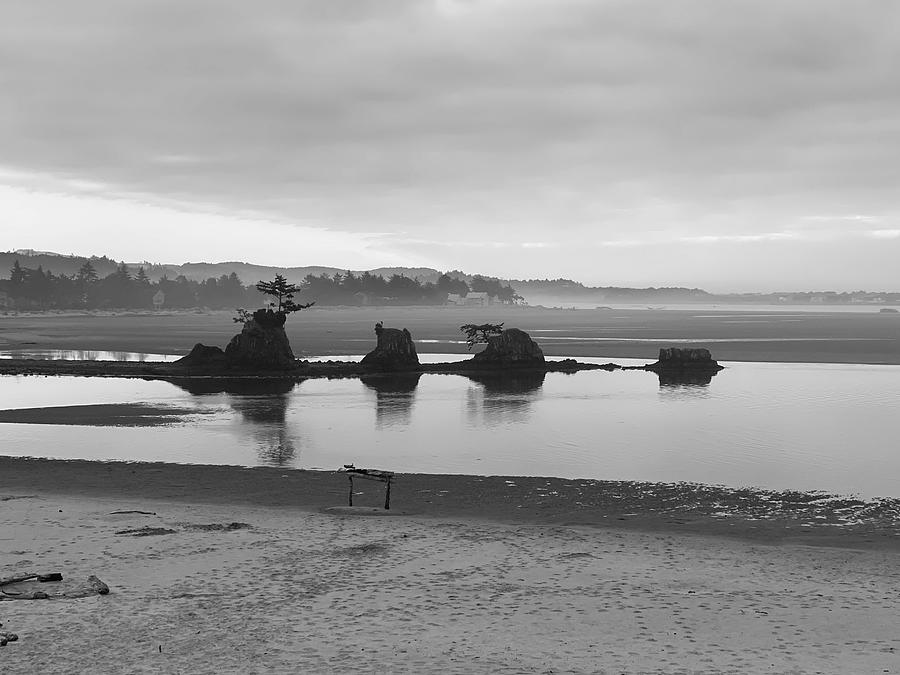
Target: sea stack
point(395, 350)
point(512, 347)
point(262, 343)
point(684, 365)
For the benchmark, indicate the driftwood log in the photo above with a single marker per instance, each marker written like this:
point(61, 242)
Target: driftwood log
point(82, 589)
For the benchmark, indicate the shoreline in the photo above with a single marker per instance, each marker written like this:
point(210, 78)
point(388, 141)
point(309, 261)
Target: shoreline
point(762, 516)
point(302, 370)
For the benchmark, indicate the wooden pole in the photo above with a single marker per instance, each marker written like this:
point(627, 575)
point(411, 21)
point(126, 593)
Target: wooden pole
point(351, 489)
point(387, 495)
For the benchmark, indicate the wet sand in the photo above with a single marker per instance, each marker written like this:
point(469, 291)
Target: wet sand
point(789, 336)
point(459, 583)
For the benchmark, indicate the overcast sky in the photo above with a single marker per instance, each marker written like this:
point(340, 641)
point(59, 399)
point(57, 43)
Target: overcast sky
point(724, 144)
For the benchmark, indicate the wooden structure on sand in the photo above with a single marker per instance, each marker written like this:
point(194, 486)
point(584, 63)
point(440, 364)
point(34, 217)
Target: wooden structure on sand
point(370, 474)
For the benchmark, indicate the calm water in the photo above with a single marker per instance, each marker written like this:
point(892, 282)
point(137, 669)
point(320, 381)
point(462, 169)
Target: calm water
point(801, 426)
point(85, 355)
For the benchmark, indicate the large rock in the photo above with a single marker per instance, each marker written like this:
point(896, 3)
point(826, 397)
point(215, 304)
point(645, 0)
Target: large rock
point(513, 347)
point(203, 356)
point(395, 350)
point(262, 344)
point(677, 358)
point(684, 365)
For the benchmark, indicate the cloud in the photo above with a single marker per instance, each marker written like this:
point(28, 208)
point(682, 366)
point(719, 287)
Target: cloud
point(622, 122)
point(885, 234)
point(740, 238)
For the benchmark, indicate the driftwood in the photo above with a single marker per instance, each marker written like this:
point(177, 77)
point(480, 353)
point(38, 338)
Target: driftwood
point(146, 531)
point(91, 586)
point(16, 578)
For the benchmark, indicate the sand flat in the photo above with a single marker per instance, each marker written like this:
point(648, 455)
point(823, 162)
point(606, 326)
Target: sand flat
point(824, 337)
point(101, 414)
point(301, 591)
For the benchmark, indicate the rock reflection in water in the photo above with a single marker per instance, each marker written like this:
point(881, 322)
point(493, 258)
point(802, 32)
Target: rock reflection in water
point(682, 386)
point(679, 378)
point(262, 404)
point(505, 397)
point(394, 396)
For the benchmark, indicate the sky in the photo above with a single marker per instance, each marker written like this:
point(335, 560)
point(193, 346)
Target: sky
point(725, 144)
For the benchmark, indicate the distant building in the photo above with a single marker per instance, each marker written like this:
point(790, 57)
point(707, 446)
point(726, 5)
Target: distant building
point(481, 298)
point(159, 299)
point(472, 299)
point(6, 302)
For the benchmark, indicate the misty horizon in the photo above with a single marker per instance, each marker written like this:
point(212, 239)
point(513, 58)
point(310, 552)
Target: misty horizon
point(421, 273)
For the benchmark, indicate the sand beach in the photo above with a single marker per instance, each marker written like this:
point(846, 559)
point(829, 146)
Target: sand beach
point(282, 577)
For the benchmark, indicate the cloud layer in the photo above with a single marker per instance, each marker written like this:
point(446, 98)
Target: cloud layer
point(576, 133)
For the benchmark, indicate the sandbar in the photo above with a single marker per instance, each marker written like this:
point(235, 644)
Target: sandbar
point(101, 415)
point(786, 336)
point(242, 572)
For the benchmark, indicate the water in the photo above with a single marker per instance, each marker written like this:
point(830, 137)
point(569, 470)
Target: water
point(781, 426)
point(86, 355)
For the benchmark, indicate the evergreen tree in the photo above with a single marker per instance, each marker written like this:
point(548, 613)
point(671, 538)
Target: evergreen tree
point(141, 278)
point(282, 295)
point(16, 275)
point(87, 274)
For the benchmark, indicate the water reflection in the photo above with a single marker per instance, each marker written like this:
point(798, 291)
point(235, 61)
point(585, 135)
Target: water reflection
point(262, 404)
point(394, 396)
point(242, 386)
point(86, 355)
point(682, 392)
point(686, 378)
point(503, 397)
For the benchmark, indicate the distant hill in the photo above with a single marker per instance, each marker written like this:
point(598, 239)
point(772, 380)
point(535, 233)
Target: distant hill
point(552, 292)
point(196, 271)
point(57, 263)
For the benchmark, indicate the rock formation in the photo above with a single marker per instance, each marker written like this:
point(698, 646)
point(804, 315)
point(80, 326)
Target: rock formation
point(513, 347)
point(395, 350)
point(684, 365)
point(202, 355)
point(262, 343)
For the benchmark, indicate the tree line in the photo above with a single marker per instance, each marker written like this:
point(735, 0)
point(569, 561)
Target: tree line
point(126, 288)
point(373, 289)
point(122, 289)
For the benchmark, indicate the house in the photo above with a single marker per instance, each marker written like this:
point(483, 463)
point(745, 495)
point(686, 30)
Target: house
point(472, 299)
point(6, 302)
point(479, 298)
point(159, 299)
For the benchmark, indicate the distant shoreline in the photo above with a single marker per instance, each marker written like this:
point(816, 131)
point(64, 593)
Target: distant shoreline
point(802, 337)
